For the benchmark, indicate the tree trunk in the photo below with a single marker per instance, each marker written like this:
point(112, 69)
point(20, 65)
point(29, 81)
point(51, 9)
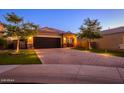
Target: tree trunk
point(17, 46)
point(89, 42)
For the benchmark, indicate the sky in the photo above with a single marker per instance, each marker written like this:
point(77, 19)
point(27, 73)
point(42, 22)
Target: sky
point(69, 19)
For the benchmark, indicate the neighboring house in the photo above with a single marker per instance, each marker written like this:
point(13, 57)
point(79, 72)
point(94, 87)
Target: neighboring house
point(1, 30)
point(52, 38)
point(113, 39)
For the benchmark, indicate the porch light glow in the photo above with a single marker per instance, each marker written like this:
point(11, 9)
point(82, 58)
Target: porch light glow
point(64, 38)
point(30, 37)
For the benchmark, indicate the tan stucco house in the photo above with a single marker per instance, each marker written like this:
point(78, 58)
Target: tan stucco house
point(52, 38)
point(46, 38)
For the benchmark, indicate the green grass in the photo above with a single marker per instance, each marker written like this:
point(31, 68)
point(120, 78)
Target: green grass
point(24, 57)
point(114, 53)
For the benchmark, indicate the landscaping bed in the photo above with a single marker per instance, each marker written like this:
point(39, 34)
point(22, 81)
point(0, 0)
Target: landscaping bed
point(24, 57)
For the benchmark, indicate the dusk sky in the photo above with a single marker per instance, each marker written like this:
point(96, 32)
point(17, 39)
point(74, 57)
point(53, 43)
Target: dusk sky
point(69, 20)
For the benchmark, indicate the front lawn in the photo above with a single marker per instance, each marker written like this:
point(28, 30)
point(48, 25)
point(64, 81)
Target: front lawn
point(25, 57)
point(114, 53)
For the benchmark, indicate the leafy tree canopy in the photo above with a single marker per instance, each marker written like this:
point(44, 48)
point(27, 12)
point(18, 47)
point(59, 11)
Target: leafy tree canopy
point(90, 29)
point(16, 27)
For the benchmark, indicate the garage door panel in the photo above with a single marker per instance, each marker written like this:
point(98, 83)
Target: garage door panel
point(45, 42)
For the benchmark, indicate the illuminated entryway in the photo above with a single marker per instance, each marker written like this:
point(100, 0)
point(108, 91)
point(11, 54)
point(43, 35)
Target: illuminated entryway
point(69, 40)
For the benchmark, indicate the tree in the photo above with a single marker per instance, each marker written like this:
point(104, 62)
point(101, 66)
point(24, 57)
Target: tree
point(15, 27)
point(90, 30)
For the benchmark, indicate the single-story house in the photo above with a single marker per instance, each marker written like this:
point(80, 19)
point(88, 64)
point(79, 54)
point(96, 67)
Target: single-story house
point(52, 38)
point(46, 38)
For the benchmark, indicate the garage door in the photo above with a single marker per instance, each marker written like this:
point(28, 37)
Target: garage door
point(45, 42)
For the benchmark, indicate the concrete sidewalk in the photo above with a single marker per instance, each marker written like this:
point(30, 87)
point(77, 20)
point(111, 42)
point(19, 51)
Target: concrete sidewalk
point(4, 68)
point(63, 74)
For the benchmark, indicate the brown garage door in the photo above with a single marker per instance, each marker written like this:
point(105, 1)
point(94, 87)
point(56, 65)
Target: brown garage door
point(45, 42)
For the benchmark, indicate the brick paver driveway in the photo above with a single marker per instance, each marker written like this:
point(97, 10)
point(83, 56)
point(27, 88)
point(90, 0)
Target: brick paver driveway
point(71, 56)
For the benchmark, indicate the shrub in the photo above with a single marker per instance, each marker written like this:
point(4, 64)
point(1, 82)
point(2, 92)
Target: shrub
point(3, 43)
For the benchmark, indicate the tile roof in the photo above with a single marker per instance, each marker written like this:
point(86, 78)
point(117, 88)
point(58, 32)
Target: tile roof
point(51, 30)
point(69, 32)
point(113, 30)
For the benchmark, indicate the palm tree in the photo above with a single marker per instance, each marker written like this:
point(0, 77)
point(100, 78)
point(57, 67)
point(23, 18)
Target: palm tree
point(15, 27)
point(90, 30)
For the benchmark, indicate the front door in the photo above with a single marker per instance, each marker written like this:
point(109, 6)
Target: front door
point(70, 42)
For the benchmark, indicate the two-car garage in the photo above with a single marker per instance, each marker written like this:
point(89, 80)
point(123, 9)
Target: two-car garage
point(51, 38)
point(46, 42)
